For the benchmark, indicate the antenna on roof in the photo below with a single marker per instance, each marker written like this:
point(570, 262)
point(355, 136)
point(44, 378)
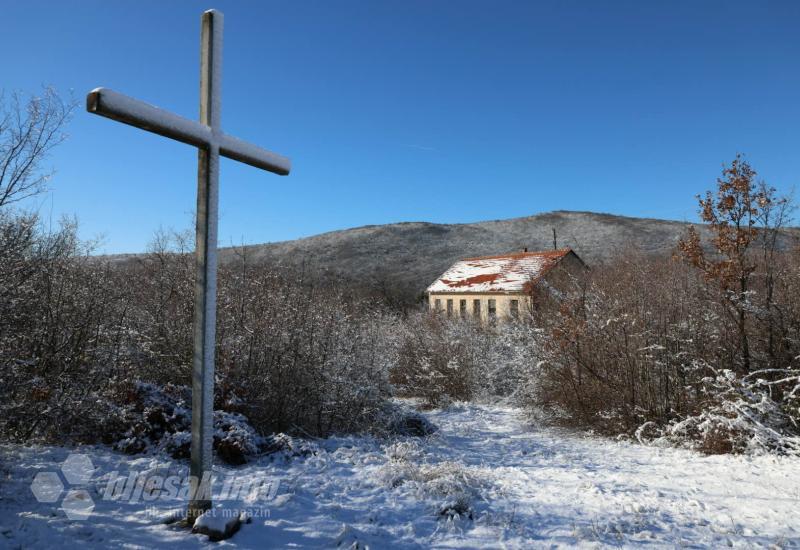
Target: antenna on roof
point(555, 240)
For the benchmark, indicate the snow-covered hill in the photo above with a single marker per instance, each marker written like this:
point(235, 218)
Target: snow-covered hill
point(409, 256)
point(406, 257)
point(486, 479)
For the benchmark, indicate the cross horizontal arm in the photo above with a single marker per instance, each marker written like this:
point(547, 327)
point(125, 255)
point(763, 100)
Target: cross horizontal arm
point(117, 106)
point(236, 149)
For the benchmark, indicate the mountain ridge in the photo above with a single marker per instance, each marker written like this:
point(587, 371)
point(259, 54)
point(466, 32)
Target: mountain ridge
point(406, 257)
point(410, 255)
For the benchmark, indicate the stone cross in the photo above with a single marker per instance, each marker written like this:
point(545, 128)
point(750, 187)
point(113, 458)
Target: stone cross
point(211, 142)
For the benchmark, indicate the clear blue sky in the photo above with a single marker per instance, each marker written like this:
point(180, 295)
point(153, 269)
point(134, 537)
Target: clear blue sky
point(444, 111)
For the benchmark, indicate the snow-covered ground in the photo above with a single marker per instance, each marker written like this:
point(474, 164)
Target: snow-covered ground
point(487, 479)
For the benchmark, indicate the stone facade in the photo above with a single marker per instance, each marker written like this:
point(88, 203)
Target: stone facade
point(505, 305)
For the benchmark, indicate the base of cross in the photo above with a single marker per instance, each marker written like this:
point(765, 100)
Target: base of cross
point(215, 523)
point(196, 509)
point(215, 530)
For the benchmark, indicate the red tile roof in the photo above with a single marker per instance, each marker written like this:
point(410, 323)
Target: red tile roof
point(505, 273)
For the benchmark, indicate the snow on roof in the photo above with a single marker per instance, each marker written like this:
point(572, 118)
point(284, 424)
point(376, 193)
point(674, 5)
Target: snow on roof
point(506, 273)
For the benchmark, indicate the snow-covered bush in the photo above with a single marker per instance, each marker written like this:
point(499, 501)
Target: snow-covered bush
point(80, 336)
point(650, 348)
point(754, 413)
point(58, 333)
point(303, 357)
point(510, 369)
point(442, 360)
point(158, 418)
point(437, 359)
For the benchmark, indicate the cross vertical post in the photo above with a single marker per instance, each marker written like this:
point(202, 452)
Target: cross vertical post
point(205, 292)
point(211, 143)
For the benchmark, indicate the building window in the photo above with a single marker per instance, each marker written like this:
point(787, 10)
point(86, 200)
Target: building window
point(492, 310)
point(449, 307)
point(476, 309)
point(514, 308)
point(437, 305)
point(462, 308)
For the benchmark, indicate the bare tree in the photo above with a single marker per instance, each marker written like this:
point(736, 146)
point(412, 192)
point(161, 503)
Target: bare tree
point(28, 131)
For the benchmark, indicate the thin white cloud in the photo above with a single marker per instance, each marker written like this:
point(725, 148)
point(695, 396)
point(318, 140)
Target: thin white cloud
point(420, 147)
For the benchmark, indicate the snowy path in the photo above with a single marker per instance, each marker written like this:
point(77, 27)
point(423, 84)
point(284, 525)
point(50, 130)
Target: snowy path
point(524, 487)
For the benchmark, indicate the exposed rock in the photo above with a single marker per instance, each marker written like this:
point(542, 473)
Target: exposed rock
point(219, 523)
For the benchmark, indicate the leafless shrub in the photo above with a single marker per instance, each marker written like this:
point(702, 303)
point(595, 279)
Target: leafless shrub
point(302, 355)
point(442, 360)
point(438, 359)
point(79, 333)
point(59, 335)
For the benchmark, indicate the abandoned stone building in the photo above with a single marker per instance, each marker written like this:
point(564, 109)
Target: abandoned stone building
point(500, 287)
